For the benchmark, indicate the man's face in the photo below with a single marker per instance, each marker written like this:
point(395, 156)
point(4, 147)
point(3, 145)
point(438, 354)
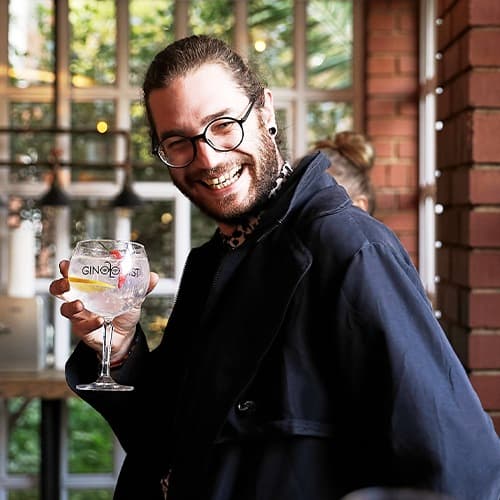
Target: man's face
point(224, 185)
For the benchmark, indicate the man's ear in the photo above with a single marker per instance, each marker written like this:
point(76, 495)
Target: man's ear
point(267, 111)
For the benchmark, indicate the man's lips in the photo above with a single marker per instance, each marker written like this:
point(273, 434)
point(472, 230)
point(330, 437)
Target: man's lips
point(224, 180)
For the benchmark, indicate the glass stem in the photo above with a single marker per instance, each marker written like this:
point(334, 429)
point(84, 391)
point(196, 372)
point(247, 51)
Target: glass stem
point(106, 348)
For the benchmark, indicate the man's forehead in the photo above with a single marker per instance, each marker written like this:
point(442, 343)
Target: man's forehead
point(212, 75)
point(193, 99)
point(210, 85)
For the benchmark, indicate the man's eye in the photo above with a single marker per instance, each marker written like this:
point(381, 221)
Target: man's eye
point(176, 143)
point(222, 127)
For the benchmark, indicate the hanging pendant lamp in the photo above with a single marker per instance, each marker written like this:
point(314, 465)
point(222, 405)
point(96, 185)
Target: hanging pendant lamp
point(55, 196)
point(127, 197)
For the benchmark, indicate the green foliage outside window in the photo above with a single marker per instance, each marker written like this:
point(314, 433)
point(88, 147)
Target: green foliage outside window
point(329, 44)
point(90, 439)
point(24, 444)
point(93, 42)
point(90, 495)
point(24, 495)
point(151, 29)
point(212, 17)
point(270, 25)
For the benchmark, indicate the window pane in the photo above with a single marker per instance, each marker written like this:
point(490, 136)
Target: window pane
point(153, 226)
point(325, 119)
point(202, 227)
point(212, 17)
point(88, 150)
point(24, 438)
point(30, 154)
point(151, 29)
point(93, 42)
point(90, 439)
point(31, 43)
point(284, 136)
point(147, 167)
point(154, 317)
point(24, 495)
point(329, 43)
point(90, 494)
point(91, 218)
point(270, 24)
point(31, 114)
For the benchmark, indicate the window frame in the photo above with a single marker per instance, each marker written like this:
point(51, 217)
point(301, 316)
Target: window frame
point(293, 102)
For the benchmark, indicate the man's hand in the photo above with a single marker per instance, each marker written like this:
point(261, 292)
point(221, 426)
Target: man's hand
point(87, 326)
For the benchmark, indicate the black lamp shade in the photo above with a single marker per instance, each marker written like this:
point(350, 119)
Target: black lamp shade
point(127, 198)
point(54, 197)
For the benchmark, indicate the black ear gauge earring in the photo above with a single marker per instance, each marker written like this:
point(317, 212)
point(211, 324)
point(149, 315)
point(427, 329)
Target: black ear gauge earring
point(272, 130)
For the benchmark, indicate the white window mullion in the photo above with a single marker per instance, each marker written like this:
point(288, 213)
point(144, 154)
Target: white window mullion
point(427, 149)
point(300, 72)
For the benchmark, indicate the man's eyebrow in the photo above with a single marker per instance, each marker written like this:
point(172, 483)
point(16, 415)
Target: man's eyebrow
point(203, 124)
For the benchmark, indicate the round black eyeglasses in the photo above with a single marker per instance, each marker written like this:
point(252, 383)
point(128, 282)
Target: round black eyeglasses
point(222, 134)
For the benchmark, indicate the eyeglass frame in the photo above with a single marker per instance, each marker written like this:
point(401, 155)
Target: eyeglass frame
point(203, 135)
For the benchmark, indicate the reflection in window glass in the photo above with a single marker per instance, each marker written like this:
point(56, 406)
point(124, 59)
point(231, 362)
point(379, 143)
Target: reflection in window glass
point(31, 43)
point(93, 42)
point(154, 317)
point(147, 166)
point(92, 450)
point(153, 226)
point(46, 266)
point(91, 218)
point(329, 43)
point(30, 153)
point(93, 149)
point(270, 25)
point(212, 17)
point(31, 114)
point(151, 29)
point(284, 136)
point(24, 439)
point(202, 227)
point(326, 119)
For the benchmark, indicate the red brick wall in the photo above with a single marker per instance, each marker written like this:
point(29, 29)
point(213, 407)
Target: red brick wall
point(468, 156)
point(392, 113)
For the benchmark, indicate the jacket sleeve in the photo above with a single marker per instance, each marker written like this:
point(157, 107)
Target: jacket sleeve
point(435, 413)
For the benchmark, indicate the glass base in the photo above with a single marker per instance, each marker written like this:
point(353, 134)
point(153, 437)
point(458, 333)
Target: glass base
point(104, 384)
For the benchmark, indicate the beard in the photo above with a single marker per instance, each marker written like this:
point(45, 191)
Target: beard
point(263, 168)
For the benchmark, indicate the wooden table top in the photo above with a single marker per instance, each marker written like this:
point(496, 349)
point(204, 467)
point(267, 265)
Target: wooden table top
point(46, 384)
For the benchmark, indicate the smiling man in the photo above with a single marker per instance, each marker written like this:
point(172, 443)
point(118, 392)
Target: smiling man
point(230, 168)
point(302, 359)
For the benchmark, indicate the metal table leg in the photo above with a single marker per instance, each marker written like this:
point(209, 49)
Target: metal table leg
point(50, 466)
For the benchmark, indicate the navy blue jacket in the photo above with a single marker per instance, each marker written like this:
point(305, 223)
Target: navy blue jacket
point(303, 365)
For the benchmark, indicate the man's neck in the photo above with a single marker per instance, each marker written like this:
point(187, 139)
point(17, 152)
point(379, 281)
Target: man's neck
point(228, 230)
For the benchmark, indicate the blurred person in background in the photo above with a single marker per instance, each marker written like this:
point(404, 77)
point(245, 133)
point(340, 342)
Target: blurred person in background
point(351, 158)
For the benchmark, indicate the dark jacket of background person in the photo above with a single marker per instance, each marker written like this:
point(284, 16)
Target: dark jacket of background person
point(276, 354)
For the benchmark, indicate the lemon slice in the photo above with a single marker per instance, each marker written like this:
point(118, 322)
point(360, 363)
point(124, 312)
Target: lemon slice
point(88, 286)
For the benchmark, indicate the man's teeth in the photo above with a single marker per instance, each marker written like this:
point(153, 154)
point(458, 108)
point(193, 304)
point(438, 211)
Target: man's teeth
point(224, 180)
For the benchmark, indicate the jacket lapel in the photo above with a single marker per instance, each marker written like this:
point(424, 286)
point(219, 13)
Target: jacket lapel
point(237, 329)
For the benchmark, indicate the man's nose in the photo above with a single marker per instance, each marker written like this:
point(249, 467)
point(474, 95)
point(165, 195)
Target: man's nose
point(206, 155)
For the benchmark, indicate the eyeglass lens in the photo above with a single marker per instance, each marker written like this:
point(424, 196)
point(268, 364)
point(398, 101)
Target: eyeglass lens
point(223, 134)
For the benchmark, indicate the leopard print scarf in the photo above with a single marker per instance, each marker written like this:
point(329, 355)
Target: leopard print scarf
point(242, 231)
